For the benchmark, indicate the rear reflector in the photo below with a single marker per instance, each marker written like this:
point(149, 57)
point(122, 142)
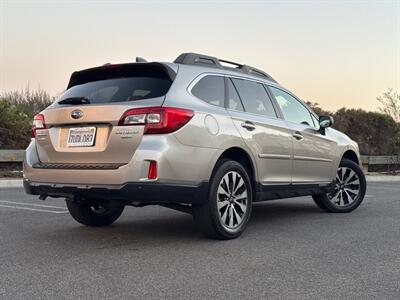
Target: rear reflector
point(157, 119)
point(152, 170)
point(38, 123)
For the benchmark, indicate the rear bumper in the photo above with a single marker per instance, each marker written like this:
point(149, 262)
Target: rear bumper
point(139, 193)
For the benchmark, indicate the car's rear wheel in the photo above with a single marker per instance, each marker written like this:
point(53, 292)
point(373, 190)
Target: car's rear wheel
point(94, 213)
point(349, 192)
point(228, 208)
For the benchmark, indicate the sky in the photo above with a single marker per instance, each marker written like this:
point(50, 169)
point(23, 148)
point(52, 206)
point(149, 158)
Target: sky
point(336, 53)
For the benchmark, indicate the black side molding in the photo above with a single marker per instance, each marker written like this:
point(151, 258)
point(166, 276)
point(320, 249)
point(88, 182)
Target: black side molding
point(271, 192)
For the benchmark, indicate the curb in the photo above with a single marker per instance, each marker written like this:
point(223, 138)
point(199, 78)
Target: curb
point(383, 178)
point(11, 183)
point(17, 183)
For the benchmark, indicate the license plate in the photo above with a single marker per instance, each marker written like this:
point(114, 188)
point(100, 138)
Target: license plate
point(81, 137)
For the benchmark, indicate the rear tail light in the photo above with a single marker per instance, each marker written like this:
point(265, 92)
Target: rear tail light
point(157, 119)
point(38, 123)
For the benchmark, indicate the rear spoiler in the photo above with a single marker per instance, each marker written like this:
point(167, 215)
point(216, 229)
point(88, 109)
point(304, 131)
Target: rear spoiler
point(109, 71)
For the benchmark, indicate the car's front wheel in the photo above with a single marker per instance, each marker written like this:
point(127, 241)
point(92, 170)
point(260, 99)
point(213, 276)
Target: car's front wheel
point(94, 213)
point(228, 208)
point(349, 192)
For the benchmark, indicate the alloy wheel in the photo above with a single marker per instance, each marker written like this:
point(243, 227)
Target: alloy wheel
point(347, 187)
point(232, 200)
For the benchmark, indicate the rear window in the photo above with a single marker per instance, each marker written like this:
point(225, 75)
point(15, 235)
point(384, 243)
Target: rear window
point(119, 89)
point(120, 83)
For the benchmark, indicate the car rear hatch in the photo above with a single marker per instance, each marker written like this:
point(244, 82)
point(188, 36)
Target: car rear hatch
point(83, 127)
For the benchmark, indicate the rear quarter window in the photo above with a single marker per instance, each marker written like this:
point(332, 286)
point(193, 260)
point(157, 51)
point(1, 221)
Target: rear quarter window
point(210, 89)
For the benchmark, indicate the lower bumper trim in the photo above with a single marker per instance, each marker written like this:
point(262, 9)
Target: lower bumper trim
point(140, 192)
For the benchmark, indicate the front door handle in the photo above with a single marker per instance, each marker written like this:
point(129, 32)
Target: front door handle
point(248, 125)
point(298, 136)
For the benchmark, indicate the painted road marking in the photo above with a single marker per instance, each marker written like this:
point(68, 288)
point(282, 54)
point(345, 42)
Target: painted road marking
point(35, 209)
point(31, 204)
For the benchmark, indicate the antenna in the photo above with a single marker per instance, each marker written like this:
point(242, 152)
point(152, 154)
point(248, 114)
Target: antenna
point(140, 60)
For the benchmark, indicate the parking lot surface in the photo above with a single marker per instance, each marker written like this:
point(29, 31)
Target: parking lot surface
point(290, 250)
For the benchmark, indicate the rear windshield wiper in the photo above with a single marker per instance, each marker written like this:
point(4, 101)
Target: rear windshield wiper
point(75, 100)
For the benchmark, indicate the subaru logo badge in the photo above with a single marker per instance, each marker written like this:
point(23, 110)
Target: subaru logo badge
point(77, 114)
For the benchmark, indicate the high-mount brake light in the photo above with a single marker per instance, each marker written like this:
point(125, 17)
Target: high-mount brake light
point(38, 123)
point(157, 120)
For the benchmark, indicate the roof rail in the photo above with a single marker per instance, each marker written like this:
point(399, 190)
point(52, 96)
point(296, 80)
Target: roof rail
point(211, 61)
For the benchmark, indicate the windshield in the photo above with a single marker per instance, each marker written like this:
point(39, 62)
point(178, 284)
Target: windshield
point(119, 89)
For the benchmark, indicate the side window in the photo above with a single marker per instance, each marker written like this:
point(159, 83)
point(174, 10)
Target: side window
point(254, 97)
point(316, 121)
point(292, 109)
point(233, 98)
point(210, 89)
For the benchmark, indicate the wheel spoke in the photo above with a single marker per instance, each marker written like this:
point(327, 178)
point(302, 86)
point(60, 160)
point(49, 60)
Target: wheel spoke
point(237, 216)
point(238, 186)
point(242, 195)
point(222, 191)
point(340, 174)
point(241, 205)
point(221, 204)
point(225, 184)
point(350, 194)
point(230, 216)
point(352, 177)
point(224, 216)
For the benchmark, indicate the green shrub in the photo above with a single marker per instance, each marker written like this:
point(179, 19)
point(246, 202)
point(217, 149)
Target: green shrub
point(15, 125)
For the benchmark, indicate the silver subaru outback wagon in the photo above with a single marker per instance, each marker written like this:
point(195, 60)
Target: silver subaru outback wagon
point(201, 135)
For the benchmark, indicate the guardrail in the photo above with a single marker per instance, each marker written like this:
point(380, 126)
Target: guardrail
point(379, 160)
point(9, 156)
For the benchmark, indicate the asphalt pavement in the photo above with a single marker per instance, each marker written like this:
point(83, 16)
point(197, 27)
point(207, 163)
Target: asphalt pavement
point(290, 250)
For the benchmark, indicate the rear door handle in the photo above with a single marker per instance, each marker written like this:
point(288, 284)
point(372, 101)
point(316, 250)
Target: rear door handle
point(298, 136)
point(248, 125)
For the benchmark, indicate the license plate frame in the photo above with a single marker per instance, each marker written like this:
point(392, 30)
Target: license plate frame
point(81, 136)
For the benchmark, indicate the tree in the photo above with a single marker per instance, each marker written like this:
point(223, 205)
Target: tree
point(318, 109)
point(376, 133)
point(390, 101)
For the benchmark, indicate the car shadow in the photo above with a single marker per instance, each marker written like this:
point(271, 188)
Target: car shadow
point(170, 226)
point(276, 210)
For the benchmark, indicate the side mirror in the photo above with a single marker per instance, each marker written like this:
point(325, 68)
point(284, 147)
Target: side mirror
point(325, 122)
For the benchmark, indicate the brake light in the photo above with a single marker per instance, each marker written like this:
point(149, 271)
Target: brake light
point(38, 123)
point(157, 119)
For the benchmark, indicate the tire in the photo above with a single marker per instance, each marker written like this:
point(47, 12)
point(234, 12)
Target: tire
point(231, 191)
point(92, 213)
point(349, 191)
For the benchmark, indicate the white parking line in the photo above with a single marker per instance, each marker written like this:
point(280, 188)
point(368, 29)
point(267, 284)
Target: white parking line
point(34, 209)
point(31, 204)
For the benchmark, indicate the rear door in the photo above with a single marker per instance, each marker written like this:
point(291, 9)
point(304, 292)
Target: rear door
point(267, 136)
point(82, 126)
point(313, 153)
